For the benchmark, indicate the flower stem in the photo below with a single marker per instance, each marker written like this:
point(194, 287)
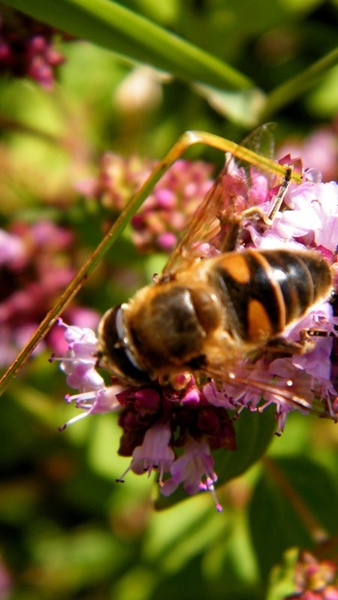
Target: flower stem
point(284, 94)
point(314, 528)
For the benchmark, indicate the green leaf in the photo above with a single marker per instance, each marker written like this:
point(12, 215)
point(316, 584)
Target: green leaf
point(242, 106)
point(253, 434)
point(282, 578)
point(294, 504)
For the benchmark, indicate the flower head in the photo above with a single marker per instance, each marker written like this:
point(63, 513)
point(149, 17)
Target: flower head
point(173, 429)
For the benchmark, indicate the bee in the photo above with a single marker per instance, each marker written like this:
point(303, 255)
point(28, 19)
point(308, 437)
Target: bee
point(214, 302)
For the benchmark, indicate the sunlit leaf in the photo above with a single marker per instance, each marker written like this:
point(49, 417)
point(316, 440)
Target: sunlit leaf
point(242, 107)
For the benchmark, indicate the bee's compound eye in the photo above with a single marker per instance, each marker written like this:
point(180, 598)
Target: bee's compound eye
point(115, 347)
point(121, 332)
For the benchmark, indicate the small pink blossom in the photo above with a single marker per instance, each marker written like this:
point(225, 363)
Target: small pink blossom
point(154, 453)
point(79, 364)
point(194, 469)
point(12, 249)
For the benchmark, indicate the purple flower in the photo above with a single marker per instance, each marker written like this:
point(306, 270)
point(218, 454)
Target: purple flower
point(154, 453)
point(79, 364)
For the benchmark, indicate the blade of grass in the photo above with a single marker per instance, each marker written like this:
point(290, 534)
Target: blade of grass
point(123, 31)
point(288, 91)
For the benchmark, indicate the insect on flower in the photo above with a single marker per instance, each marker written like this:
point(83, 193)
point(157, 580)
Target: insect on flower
point(219, 301)
point(239, 318)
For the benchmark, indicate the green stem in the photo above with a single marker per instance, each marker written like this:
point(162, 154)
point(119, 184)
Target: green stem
point(297, 85)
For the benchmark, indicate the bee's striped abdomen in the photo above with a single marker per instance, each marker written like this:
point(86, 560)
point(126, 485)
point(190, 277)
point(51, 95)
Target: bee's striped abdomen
point(264, 291)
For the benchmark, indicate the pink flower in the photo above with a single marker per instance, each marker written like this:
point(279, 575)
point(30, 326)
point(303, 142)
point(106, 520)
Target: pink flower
point(12, 249)
point(166, 211)
point(154, 453)
point(79, 365)
point(319, 150)
point(194, 469)
point(35, 266)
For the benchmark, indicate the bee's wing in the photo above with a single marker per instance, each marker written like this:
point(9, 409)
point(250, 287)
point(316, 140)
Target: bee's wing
point(210, 228)
point(203, 227)
point(261, 140)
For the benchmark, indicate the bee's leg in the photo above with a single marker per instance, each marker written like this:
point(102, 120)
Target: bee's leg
point(234, 226)
point(254, 214)
point(281, 194)
point(305, 344)
point(230, 236)
point(280, 345)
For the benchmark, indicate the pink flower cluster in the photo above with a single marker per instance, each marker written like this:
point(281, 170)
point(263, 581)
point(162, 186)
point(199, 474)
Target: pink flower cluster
point(174, 429)
point(166, 211)
point(148, 415)
point(26, 48)
point(31, 277)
